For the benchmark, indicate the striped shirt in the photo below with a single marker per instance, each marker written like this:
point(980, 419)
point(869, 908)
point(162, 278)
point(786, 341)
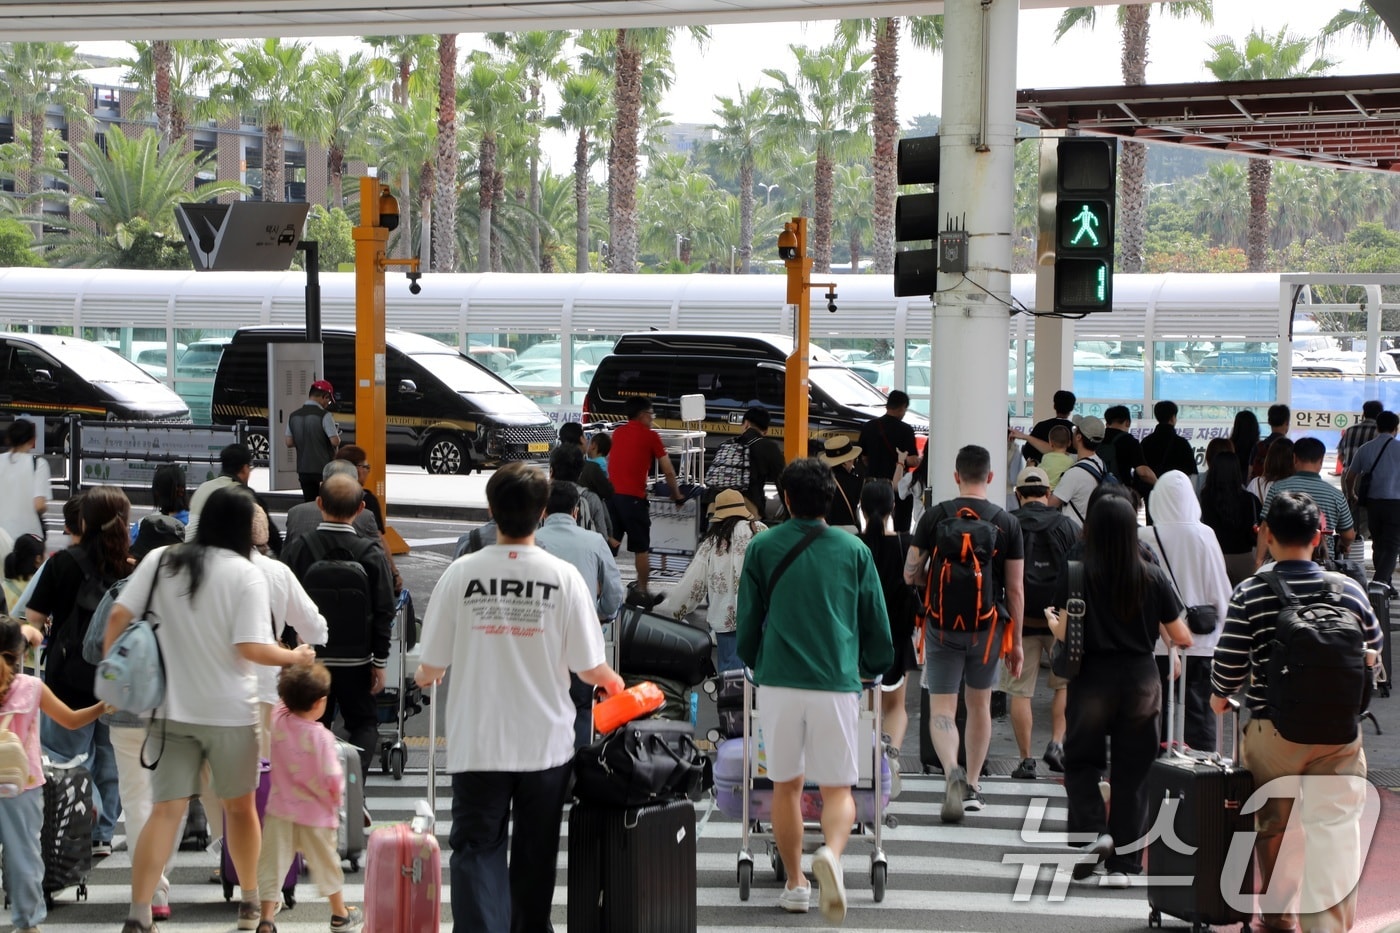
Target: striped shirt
point(1242, 654)
point(1329, 499)
point(1354, 438)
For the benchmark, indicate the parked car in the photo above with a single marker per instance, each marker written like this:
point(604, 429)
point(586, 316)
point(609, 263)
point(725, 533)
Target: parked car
point(445, 411)
point(150, 355)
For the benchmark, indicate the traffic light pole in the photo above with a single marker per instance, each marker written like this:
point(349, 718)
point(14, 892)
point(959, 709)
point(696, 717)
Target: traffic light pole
point(1054, 336)
point(371, 239)
point(796, 385)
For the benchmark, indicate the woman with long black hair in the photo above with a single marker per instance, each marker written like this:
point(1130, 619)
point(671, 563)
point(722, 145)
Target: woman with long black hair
point(889, 548)
point(63, 601)
point(1232, 512)
point(215, 625)
point(1116, 697)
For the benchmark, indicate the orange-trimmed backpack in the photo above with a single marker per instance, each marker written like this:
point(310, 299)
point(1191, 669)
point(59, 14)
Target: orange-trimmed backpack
point(960, 594)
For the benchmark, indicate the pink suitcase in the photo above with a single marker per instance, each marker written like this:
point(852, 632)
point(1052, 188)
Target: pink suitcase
point(403, 865)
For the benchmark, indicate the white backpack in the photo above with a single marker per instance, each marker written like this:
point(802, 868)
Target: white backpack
point(14, 761)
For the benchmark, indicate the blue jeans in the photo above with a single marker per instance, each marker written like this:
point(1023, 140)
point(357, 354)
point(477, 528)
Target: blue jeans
point(486, 896)
point(95, 741)
point(727, 652)
point(20, 820)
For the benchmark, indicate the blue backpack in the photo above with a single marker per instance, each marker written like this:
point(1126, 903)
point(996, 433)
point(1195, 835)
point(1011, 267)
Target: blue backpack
point(132, 675)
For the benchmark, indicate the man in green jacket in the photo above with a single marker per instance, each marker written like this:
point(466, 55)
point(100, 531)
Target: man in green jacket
point(811, 637)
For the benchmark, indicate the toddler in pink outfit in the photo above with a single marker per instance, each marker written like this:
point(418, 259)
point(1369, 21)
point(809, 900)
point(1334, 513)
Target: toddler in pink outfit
point(304, 800)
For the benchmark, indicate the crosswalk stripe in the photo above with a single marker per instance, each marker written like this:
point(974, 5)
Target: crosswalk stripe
point(940, 876)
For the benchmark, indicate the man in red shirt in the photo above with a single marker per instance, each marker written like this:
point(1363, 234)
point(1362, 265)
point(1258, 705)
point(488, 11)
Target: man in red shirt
point(634, 447)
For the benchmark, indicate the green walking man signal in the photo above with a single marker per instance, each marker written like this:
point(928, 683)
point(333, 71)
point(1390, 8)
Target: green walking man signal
point(1087, 221)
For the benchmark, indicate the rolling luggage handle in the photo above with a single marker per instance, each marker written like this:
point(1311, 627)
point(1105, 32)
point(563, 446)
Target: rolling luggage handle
point(425, 811)
point(1176, 737)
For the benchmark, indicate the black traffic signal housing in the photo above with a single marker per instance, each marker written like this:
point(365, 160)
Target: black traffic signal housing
point(1086, 209)
point(916, 217)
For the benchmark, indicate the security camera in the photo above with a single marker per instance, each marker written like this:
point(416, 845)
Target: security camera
point(413, 286)
point(787, 244)
point(831, 301)
point(388, 210)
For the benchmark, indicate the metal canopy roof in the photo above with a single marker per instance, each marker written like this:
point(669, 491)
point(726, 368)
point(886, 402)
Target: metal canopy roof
point(71, 20)
point(1345, 122)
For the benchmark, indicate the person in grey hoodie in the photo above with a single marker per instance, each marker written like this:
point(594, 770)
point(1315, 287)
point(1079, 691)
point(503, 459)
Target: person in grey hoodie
point(1190, 553)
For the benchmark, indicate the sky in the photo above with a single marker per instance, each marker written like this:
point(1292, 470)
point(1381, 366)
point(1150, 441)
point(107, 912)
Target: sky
point(1176, 51)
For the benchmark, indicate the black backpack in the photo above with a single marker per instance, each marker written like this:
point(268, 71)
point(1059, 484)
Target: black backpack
point(960, 594)
point(1044, 557)
point(1318, 683)
point(338, 584)
point(1108, 453)
point(63, 655)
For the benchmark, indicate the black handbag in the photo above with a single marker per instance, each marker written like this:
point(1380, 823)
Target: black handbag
point(1067, 654)
point(1202, 619)
point(644, 762)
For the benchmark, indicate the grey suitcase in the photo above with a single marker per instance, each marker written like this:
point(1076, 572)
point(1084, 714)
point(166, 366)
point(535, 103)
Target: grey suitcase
point(351, 834)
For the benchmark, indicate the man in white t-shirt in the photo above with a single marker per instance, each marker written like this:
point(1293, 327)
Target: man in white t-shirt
point(511, 621)
point(1071, 495)
point(24, 484)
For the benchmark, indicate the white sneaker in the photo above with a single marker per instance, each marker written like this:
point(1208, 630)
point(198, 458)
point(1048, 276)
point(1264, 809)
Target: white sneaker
point(1116, 879)
point(827, 871)
point(796, 900)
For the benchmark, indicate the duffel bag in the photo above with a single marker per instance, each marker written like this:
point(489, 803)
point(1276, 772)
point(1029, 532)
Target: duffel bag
point(654, 646)
point(644, 762)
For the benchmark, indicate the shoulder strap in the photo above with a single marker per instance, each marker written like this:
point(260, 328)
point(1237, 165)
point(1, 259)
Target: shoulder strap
point(1279, 587)
point(1076, 587)
point(1088, 464)
point(80, 557)
point(812, 534)
point(855, 519)
point(1161, 548)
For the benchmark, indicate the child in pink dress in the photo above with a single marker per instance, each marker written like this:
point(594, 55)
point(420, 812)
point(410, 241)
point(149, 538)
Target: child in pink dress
point(22, 699)
point(305, 797)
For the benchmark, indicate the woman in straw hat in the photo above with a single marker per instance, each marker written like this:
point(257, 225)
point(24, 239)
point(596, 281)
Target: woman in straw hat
point(713, 574)
point(840, 454)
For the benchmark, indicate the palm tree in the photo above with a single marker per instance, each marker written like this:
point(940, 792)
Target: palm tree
point(683, 212)
point(1262, 57)
point(1220, 201)
point(827, 101)
point(405, 139)
point(272, 82)
point(926, 33)
point(540, 53)
point(743, 142)
point(1363, 23)
point(33, 77)
point(414, 62)
point(854, 190)
point(584, 109)
point(557, 209)
point(137, 183)
point(343, 112)
point(1133, 21)
point(445, 164)
point(631, 50)
point(172, 78)
point(490, 96)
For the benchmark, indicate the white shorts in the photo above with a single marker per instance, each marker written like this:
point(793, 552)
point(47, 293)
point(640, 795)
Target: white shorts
point(809, 734)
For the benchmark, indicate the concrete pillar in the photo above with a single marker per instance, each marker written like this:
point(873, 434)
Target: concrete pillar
point(971, 329)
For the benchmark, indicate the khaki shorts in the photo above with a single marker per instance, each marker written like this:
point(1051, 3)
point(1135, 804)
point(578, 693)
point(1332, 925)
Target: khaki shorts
point(232, 753)
point(1024, 686)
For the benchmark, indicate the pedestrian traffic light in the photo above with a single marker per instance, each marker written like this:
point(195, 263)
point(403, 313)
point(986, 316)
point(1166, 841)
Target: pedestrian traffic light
point(916, 217)
point(1084, 216)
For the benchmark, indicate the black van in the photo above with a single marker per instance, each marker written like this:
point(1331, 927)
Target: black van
point(445, 411)
point(52, 376)
point(734, 372)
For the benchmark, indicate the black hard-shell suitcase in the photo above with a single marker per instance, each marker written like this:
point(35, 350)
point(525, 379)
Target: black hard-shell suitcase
point(632, 869)
point(1380, 605)
point(1208, 792)
point(928, 756)
point(66, 836)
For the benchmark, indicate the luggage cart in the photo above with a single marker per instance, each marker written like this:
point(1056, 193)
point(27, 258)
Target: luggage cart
point(401, 701)
point(869, 730)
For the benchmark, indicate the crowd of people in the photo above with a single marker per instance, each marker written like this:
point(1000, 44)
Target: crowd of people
point(836, 584)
